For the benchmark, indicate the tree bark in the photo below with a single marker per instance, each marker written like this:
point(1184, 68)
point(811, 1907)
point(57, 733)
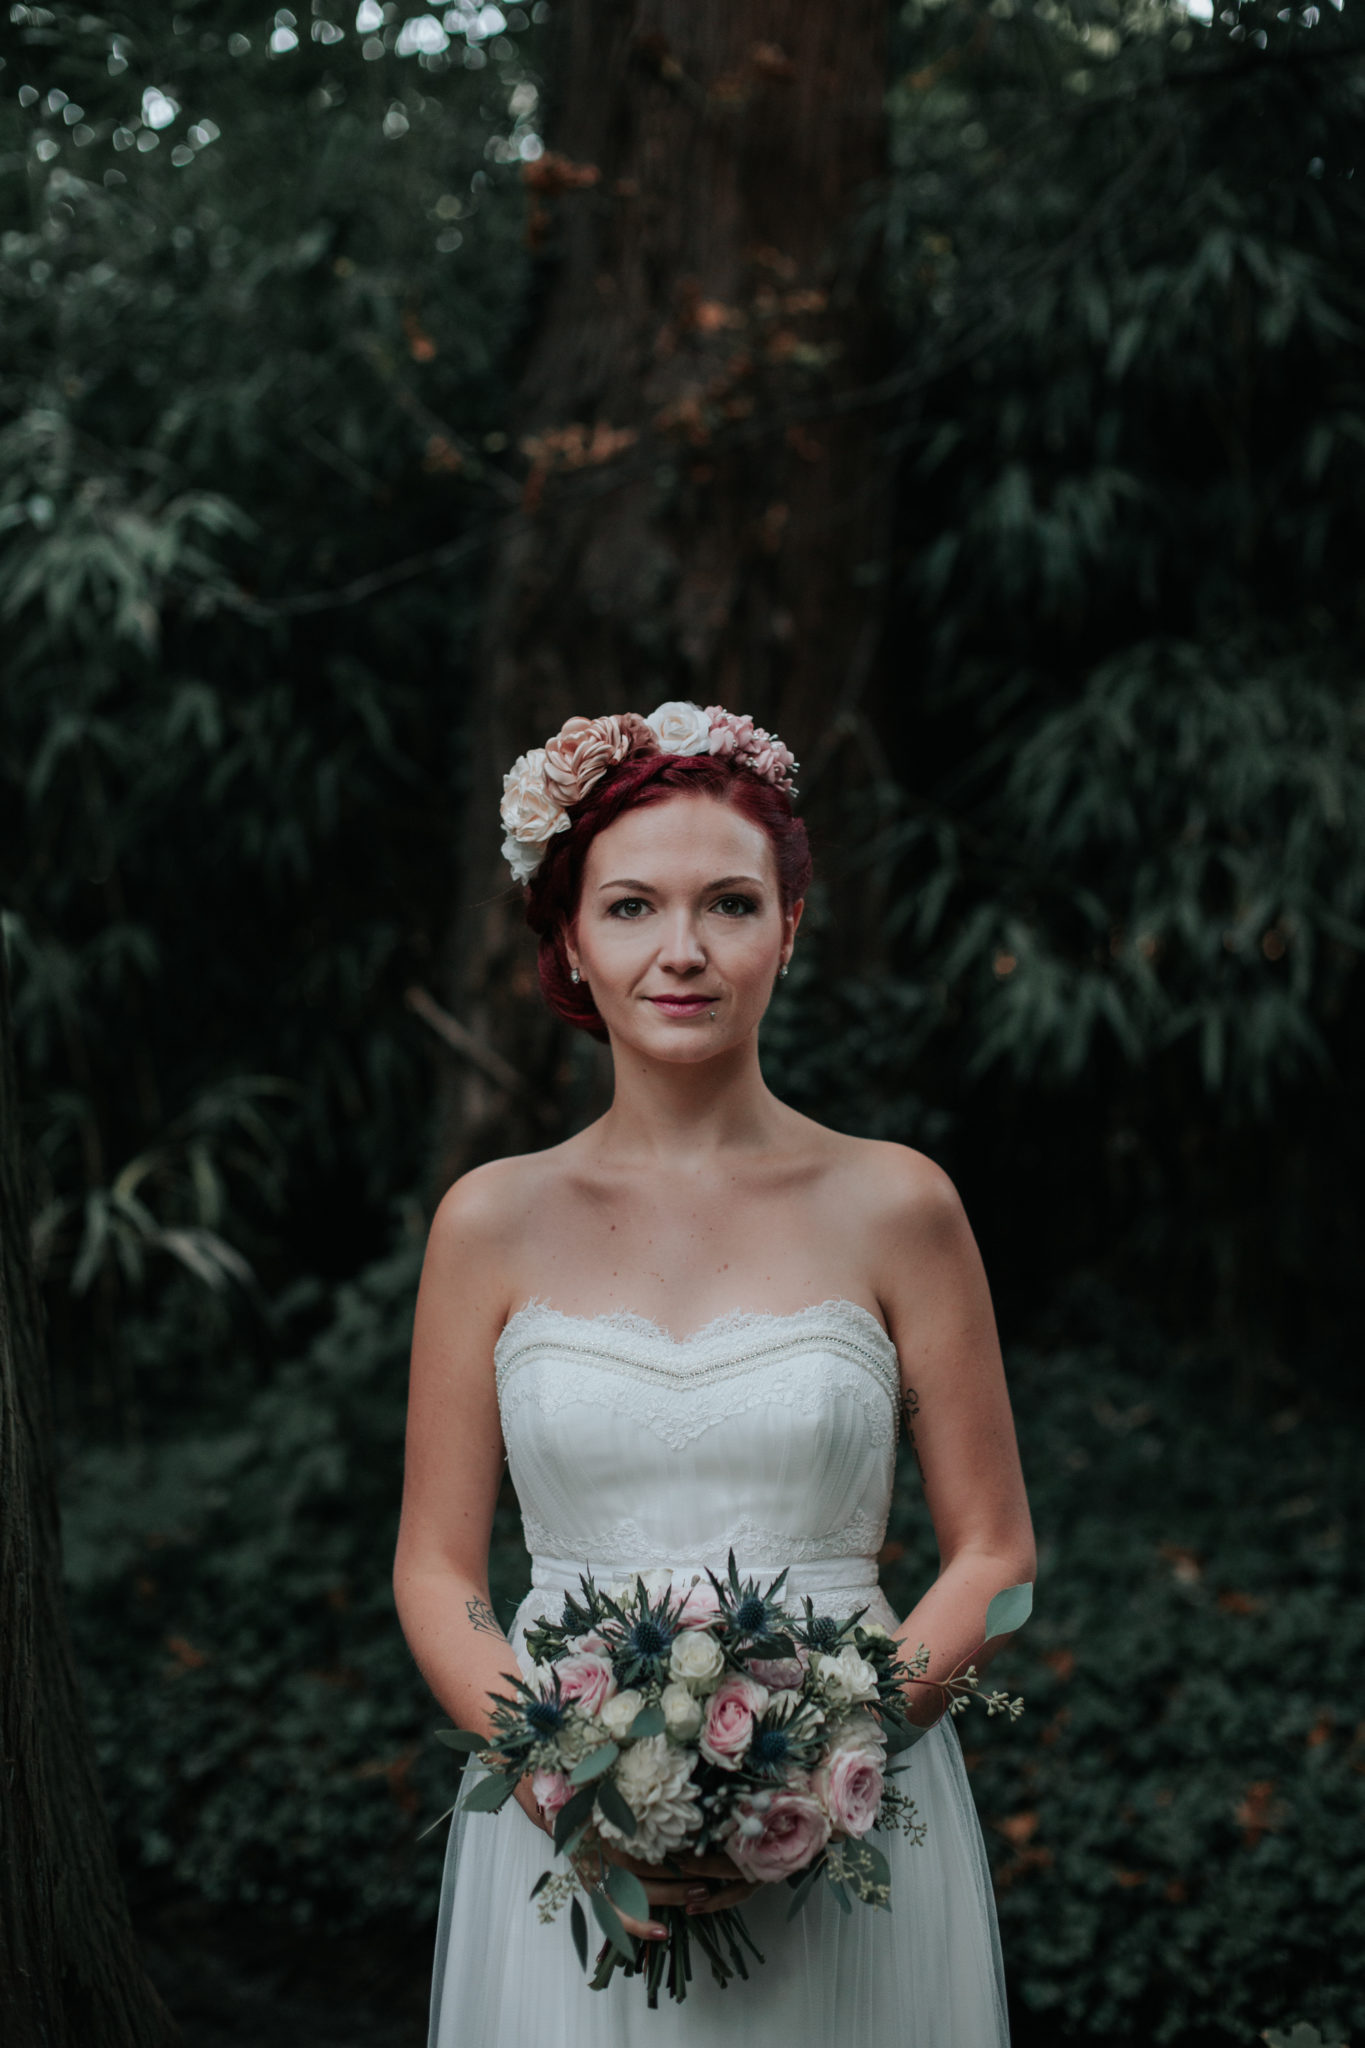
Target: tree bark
point(70, 1973)
point(706, 497)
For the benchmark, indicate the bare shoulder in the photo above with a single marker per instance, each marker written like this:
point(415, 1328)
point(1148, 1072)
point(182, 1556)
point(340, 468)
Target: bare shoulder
point(892, 1188)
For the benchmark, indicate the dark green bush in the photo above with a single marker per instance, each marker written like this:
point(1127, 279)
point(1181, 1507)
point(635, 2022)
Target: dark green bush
point(263, 1732)
point(1175, 1823)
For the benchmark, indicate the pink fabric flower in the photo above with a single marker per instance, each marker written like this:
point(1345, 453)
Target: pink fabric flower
point(587, 1678)
point(731, 731)
point(849, 1785)
point(580, 754)
point(729, 1726)
point(734, 736)
point(795, 1830)
point(550, 1790)
point(700, 1606)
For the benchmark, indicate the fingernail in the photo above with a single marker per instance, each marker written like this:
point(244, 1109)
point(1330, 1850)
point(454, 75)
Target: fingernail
point(657, 1933)
point(696, 1891)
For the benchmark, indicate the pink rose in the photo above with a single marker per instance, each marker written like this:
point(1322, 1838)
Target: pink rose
point(594, 1640)
point(550, 1790)
point(795, 1830)
point(587, 1678)
point(779, 1674)
point(700, 1606)
point(580, 754)
point(729, 1725)
point(849, 1783)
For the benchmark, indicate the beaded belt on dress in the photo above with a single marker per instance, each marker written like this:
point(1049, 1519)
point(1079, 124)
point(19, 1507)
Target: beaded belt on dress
point(822, 1576)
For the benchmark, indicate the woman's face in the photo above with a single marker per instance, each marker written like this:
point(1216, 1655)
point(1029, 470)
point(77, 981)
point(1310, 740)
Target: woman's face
point(680, 929)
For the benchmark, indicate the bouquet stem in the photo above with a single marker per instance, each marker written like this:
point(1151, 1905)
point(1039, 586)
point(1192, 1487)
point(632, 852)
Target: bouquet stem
point(723, 1937)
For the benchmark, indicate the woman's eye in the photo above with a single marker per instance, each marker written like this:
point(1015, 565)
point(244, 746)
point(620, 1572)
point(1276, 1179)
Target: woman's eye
point(736, 906)
point(629, 907)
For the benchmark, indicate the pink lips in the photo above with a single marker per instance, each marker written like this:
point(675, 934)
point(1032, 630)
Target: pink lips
point(682, 1006)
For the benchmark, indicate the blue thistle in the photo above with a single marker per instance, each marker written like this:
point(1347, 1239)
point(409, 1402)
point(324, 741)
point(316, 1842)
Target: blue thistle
point(544, 1717)
point(823, 1632)
point(770, 1748)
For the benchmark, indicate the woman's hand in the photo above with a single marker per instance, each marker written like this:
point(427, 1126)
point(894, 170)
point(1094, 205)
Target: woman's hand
point(699, 1884)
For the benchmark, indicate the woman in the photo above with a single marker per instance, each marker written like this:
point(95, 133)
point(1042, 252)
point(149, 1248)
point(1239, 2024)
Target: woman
point(691, 1328)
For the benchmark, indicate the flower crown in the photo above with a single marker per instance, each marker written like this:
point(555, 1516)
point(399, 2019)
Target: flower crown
point(540, 788)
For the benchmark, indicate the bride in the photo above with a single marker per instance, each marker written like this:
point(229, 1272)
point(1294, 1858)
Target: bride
point(694, 1327)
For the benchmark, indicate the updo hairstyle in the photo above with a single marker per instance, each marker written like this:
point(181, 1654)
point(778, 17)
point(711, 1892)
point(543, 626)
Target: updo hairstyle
point(553, 892)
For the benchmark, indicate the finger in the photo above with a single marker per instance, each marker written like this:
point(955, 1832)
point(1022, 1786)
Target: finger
point(676, 1892)
point(644, 1930)
point(726, 1895)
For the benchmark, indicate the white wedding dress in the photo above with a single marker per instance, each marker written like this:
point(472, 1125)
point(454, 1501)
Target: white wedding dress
point(774, 1436)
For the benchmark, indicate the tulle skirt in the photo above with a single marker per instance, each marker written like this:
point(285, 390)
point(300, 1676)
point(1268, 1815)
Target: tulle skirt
point(925, 1975)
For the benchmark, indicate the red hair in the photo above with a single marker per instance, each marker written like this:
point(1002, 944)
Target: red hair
point(553, 892)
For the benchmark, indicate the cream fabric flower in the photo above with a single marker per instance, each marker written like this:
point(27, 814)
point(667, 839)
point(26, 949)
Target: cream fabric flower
point(654, 1777)
point(680, 728)
point(531, 813)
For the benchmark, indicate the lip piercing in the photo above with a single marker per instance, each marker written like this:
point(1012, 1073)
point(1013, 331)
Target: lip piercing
point(712, 1015)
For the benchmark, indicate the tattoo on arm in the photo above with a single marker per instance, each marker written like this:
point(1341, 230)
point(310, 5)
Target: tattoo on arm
point(482, 1617)
point(909, 1411)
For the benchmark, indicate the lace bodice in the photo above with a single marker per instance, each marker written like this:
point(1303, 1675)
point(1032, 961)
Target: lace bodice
point(771, 1434)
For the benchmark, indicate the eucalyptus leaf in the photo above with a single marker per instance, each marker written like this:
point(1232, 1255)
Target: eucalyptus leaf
point(627, 1892)
point(489, 1794)
point(614, 1807)
point(609, 1920)
point(572, 1814)
point(461, 1738)
point(1009, 1610)
point(594, 1763)
point(578, 1927)
point(649, 1721)
point(541, 1882)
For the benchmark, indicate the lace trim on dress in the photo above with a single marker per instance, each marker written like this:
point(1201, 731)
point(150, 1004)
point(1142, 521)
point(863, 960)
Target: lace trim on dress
point(835, 1308)
point(663, 1381)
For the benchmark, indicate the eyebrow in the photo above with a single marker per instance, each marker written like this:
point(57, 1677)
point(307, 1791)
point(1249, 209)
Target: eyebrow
point(650, 888)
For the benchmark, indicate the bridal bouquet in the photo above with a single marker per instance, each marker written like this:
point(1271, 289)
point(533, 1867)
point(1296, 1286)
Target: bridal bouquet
point(663, 1718)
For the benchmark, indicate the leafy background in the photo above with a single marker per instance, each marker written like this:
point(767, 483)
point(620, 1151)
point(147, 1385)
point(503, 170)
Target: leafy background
point(264, 281)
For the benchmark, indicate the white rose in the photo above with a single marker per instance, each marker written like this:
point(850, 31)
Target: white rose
point(530, 812)
point(681, 728)
point(847, 1679)
point(617, 1713)
point(697, 1659)
point(858, 1731)
point(682, 1713)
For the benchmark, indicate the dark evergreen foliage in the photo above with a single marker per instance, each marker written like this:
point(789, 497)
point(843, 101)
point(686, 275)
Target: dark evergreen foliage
point(263, 280)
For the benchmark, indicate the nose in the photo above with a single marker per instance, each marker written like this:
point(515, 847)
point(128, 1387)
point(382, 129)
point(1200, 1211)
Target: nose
point(680, 948)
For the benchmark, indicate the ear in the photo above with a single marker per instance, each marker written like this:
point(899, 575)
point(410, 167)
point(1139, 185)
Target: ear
point(793, 919)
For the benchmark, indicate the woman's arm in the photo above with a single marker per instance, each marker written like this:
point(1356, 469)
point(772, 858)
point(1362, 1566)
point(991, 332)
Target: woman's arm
point(454, 1456)
point(957, 1414)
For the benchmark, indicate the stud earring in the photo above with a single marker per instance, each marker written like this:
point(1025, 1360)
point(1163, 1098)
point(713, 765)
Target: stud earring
point(782, 972)
point(574, 976)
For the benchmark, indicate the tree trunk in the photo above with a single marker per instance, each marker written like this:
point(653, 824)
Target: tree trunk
point(70, 1973)
point(706, 499)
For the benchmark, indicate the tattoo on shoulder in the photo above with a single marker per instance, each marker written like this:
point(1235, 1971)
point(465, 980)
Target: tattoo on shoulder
point(909, 1411)
point(482, 1617)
